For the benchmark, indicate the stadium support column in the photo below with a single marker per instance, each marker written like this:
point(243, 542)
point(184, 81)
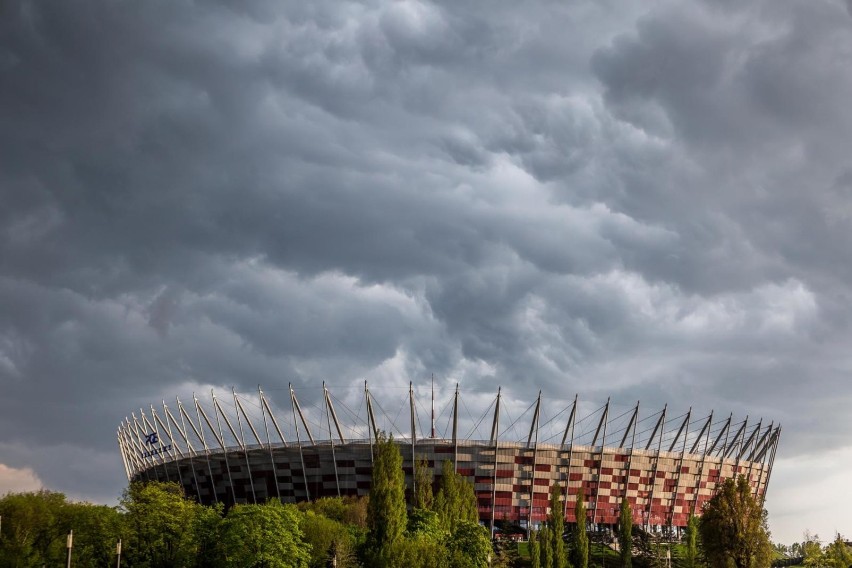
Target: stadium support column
point(705, 433)
point(200, 435)
point(728, 449)
point(242, 440)
point(604, 417)
point(295, 406)
point(495, 433)
point(745, 446)
point(569, 426)
point(685, 429)
point(630, 425)
point(123, 453)
point(170, 419)
point(533, 428)
point(221, 439)
point(726, 430)
point(659, 427)
point(759, 453)
point(146, 424)
point(331, 436)
point(372, 430)
point(413, 437)
point(456, 430)
point(776, 437)
point(264, 408)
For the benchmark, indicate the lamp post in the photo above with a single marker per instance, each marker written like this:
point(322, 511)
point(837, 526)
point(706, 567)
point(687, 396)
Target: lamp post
point(68, 545)
point(118, 554)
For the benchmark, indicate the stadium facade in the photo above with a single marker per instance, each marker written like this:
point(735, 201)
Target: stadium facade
point(666, 467)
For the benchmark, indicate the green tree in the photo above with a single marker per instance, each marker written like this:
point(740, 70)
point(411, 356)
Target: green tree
point(97, 529)
point(733, 528)
point(545, 543)
point(417, 551)
point(556, 520)
point(469, 546)
point(323, 535)
point(422, 522)
point(535, 550)
point(837, 554)
point(32, 531)
point(625, 534)
point(456, 500)
point(811, 550)
point(386, 517)
point(423, 479)
point(160, 526)
point(264, 536)
point(580, 541)
point(691, 542)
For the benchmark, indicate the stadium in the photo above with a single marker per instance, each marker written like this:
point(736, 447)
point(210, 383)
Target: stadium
point(244, 449)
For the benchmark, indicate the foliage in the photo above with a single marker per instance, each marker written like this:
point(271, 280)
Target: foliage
point(423, 480)
point(469, 546)
point(625, 534)
point(160, 525)
point(415, 551)
point(837, 554)
point(422, 522)
point(456, 500)
point(545, 543)
point(811, 550)
point(264, 536)
point(32, 528)
point(733, 528)
point(556, 520)
point(691, 541)
point(580, 541)
point(535, 550)
point(324, 535)
point(386, 516)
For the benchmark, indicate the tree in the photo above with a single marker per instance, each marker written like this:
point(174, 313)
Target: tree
point(535, 550)
point(386, 516)
point(545, 543)
point(456, 500)
point(264, 536)
point(160, 524)
point(423, 497)
point(733, 528)
point(837, 554)
point(580, 548)
point(625, 534)
point(323, 535)
point(557, 523)
point(469, 546)
point(31, 528)
point(691, 542)
point(811, 549)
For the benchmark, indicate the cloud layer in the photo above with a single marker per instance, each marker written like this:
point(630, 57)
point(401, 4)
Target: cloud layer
point(645, 200)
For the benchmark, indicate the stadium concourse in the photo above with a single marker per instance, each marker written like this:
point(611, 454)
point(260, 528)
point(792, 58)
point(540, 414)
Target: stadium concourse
point(239, 452)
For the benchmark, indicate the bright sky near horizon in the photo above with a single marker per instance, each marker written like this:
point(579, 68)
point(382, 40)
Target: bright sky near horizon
point(646, 200)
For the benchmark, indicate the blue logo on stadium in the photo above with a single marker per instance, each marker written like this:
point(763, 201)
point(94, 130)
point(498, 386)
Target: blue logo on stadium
point(151, 438)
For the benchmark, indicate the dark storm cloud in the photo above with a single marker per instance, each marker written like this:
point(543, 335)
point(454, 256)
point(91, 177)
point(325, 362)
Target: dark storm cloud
point(648, 202)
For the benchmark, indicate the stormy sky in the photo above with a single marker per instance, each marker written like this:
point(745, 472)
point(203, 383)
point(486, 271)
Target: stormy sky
point(644, 200)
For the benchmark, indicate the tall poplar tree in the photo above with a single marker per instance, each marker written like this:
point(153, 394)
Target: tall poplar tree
point(386, 517)
point(535, 550)
point(691, 555)
point(625, 534)
point(546, 545)
point(423, 483)
point(456, 500)
point(556, 520)
point(580, 548)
